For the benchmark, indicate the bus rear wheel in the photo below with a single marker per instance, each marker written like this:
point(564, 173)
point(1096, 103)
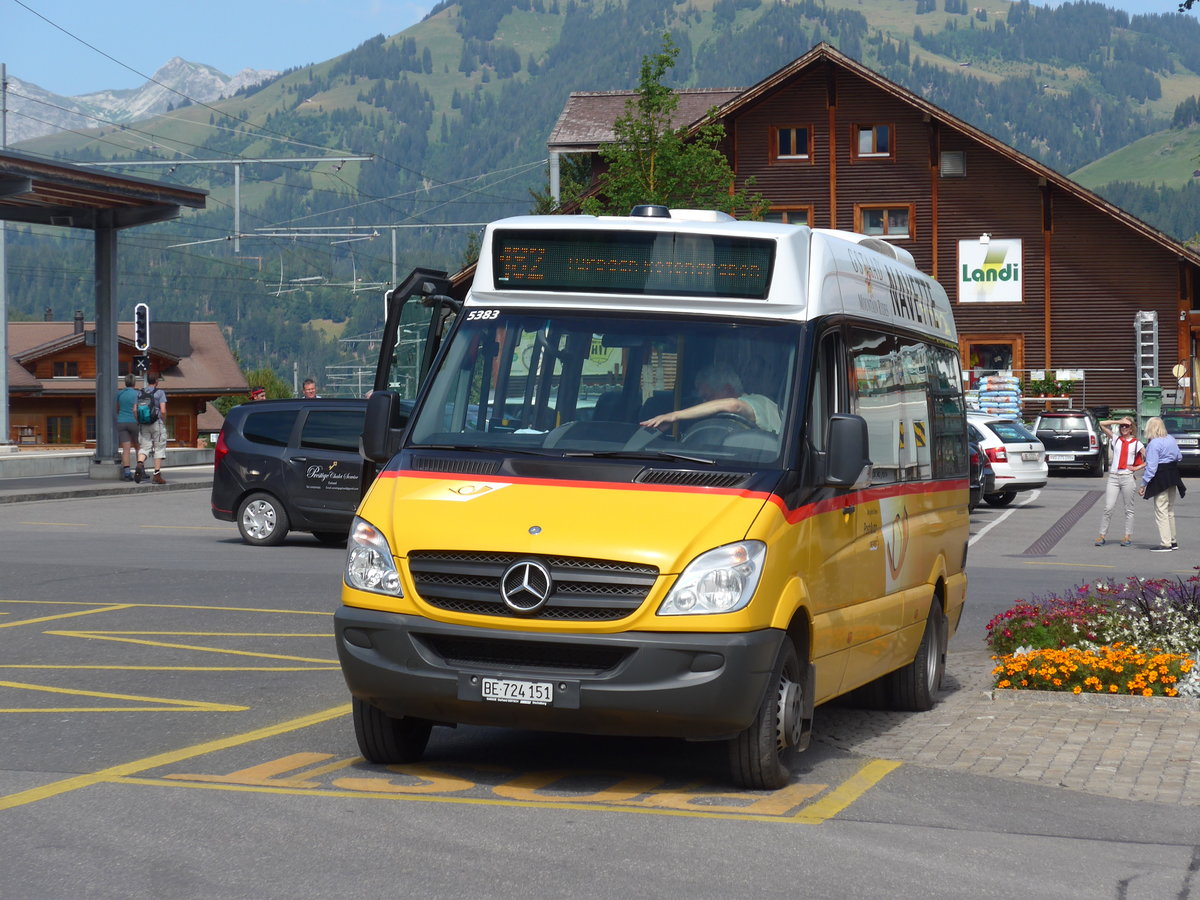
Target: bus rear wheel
point(760, 757)
point(386, 739)
point(915, 686)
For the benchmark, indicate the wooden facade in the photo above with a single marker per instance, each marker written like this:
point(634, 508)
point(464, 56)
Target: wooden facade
point(858, 152)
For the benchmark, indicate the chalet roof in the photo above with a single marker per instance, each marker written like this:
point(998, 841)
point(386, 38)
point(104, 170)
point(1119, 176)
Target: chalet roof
point(586, 122)
point(209, 368)
point(587, 119)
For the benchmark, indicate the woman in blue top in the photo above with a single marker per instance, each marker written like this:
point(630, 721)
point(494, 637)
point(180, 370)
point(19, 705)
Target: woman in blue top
point(1160, 480)
point(127, 426)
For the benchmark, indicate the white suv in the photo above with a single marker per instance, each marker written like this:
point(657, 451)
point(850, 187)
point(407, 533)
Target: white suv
point(1017, 456)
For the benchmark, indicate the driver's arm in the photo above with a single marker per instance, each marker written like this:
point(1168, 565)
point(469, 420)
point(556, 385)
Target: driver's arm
point(734, 405)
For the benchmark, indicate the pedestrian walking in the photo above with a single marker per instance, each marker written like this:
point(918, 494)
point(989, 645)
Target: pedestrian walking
point(1128, 458)
point(151, 412)
point(127, 426)
point(1161, 481)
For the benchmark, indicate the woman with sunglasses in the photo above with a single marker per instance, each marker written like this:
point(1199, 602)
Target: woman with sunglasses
point(1128, 457)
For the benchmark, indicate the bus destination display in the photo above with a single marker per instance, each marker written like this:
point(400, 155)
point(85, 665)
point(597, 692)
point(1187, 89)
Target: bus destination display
point(695, 265)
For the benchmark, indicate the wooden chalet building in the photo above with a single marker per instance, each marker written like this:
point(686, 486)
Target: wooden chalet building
point(1043, 273)
point(52, 377)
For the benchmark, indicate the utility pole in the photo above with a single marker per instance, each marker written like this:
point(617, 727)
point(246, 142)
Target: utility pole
point(5, 440)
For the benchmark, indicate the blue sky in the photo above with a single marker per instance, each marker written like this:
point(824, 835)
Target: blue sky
point(228, 34)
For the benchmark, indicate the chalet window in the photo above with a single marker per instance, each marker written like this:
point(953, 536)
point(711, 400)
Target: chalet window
point(66, 370)
point(890, 221)
point(89, 428)
point(789, 215)
point(790, 142)
point(873, 140)
point(952, 164)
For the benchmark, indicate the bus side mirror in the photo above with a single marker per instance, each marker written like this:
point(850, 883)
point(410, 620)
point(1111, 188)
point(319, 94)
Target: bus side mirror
point(383, 425)
point(848, 464)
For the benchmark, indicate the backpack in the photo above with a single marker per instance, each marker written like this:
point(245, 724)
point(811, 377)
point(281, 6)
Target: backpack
point(146, 408)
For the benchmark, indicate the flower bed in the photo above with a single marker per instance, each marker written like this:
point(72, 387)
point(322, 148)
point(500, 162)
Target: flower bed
point(1140, 636)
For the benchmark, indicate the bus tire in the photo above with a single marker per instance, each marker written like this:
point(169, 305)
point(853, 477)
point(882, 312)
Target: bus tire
point(760, 757)
point(915, 686)
point(388, 740)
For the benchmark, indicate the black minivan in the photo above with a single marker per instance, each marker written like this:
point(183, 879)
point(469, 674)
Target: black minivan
point(289, 465)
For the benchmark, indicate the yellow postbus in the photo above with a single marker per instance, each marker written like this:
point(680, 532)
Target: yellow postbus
point(668, 474)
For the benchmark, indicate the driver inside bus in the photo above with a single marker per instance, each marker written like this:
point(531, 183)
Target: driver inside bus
point(721, 390)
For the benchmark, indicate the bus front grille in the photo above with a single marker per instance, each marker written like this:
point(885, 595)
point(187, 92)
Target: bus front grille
point(584, 590)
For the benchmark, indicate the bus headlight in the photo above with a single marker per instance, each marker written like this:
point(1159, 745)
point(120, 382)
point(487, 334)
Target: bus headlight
point(369, 563)
point(720, 580)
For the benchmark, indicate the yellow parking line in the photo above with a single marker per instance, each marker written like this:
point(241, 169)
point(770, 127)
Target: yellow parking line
point(97, 636)
point(123, 770)
point(69, 615)
point(847, 792)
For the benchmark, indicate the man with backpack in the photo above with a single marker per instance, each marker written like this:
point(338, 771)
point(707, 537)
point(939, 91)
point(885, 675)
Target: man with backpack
point(151, 412)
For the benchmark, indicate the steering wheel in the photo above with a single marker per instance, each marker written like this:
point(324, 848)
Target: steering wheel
point(714, 428)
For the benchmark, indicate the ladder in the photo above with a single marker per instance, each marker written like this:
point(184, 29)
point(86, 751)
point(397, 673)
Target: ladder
point(1145, 325)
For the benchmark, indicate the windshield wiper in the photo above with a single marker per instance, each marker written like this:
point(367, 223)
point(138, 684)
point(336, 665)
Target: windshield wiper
point(476, 448)
point(641, 454)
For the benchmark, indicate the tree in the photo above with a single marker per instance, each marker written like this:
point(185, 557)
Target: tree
point(652, 162)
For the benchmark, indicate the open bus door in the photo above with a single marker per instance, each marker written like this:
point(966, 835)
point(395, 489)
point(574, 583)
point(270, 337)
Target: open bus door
point(419, 313)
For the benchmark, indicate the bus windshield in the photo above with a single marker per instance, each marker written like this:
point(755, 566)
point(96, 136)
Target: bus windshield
point(653, 385)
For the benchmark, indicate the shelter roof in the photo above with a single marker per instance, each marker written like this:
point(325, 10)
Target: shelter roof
point(45, 192)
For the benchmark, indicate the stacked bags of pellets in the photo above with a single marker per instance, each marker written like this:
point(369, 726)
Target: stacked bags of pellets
point(1000, 395)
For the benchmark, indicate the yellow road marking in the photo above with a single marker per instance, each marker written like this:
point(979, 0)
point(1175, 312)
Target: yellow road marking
point(324, 635)
point(189, 606)
point(847, 792)
point(79, 692)
point(1069, 565)
point(188, 527)
point(99, 668)
point(298, 773)
point(114, 773)
point(82, 612)
point(98, 636)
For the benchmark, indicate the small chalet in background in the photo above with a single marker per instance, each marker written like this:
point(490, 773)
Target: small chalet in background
point(1043, 273)
point(52, 377)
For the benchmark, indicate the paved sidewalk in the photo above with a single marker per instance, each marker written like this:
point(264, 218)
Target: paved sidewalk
point(63, 487)
point(1132, 748)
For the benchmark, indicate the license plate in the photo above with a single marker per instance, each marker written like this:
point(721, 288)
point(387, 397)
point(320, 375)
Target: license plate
point(506, 690)
point(1051, 457)
point(1034, 456)
point(1187, 442)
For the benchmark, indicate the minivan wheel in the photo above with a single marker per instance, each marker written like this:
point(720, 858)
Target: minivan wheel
point(388, 740)
point(1001, 499)
point(760, 757)
point(262, 520)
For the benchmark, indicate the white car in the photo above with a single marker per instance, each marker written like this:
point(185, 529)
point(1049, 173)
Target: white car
point(1017, 456)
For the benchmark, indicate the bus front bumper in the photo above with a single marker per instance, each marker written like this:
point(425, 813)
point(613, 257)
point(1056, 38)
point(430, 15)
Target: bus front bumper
point(696, 685)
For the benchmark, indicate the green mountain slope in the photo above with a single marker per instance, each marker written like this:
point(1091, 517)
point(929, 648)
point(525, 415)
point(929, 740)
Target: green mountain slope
point(456, 111)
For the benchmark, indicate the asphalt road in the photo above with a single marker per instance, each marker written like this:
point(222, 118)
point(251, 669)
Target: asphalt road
point(175, 725)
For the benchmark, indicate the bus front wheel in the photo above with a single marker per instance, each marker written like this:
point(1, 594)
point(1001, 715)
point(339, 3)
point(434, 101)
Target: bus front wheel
point(386, 739)
point(760, 757)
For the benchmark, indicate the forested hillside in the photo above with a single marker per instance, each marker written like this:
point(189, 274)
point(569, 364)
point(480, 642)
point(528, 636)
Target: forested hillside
point(456, 111)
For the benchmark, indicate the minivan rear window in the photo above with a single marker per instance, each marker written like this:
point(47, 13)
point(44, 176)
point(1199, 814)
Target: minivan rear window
point(272, 427)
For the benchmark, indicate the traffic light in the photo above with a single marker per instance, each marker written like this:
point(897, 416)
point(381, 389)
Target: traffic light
point(141, 326)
